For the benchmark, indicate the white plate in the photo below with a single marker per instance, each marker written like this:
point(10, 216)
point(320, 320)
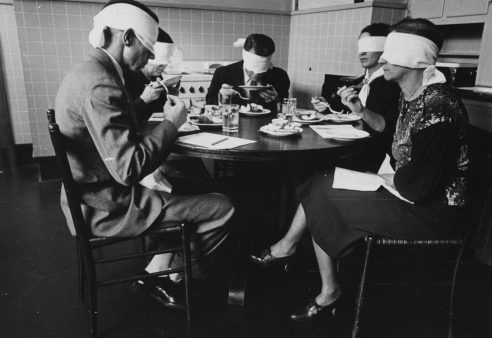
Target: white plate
point(280, 133)
point(254, 87)
point(342, 118)
point(317, 120)
point(209, 125)
point(349, 135)
point(188, 127)
point(254, 113)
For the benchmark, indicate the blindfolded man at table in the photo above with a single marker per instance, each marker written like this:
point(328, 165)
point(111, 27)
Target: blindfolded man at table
point(149, 95)
point(109, 156)
point(254, 70)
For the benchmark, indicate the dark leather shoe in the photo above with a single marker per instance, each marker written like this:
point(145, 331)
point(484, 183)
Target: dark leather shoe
point(266, 259)
point(312, 311)
point(163, 290)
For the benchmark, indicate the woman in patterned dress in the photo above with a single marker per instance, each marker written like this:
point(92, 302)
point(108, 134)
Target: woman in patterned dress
point(431, 166)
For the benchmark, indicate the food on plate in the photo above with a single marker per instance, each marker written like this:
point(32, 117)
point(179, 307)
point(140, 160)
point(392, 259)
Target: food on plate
point(346, 117)
point(282, 125)
point(307, 115)
point(207, 119)
point(253, 107)
point(213, 110)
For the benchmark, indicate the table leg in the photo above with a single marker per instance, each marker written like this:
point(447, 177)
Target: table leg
point(239, 279)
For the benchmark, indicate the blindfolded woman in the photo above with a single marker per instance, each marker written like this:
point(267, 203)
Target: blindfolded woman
point(431, 166)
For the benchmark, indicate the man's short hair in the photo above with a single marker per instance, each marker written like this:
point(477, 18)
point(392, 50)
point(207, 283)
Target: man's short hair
point(164, 37)
point(377, 29)
point(261, 44)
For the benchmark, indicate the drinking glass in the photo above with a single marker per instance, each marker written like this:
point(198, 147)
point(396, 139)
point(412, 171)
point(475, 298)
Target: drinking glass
point(230, 118)
point(289, 108)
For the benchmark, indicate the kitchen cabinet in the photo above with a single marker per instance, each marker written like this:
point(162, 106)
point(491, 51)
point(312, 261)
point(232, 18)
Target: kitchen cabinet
point(449, 11)
point(454, 8)
point(484, 73)
point(428, 9)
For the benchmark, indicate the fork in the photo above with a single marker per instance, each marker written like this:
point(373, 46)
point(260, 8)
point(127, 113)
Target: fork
point(242, 97)
point(326, 104)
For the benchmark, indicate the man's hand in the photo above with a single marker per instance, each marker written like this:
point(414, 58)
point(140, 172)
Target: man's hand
point(175, 111)
point(350, 98)
point(152, 92)
point(225, 94)
point(318, 105)
point(269, 94)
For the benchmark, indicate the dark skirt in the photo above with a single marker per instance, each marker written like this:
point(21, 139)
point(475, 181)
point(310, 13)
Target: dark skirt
point(338, 218)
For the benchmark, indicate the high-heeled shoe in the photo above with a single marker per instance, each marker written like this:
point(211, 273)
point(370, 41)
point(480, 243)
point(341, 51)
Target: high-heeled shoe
point(266, 259)
point(312, 311)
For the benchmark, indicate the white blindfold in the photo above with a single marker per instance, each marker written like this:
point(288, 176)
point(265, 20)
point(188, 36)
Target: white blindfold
point(255, 63)
point(413, 51)
point(162, 53)
point(371, 44)
point(123, 16)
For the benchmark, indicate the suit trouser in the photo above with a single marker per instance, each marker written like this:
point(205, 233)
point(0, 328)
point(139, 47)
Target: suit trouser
point(208, 216)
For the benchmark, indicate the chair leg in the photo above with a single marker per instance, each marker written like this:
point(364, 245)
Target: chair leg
point(92, 300)
point(185, 240)
point(80, 273)
point(457, 265)
point(360, 298)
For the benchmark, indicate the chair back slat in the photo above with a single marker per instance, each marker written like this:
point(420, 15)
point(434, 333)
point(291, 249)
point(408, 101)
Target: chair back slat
point(59, 144)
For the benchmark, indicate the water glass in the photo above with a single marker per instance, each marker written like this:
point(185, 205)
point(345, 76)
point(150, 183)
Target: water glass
point(289, 108)
point(230, 118)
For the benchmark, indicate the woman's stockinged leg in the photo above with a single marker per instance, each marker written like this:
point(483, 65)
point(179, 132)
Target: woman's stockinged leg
point(330, 289)
point(287, 245)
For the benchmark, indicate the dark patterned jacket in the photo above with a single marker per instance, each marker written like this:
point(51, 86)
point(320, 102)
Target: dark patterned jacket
point(430, 148)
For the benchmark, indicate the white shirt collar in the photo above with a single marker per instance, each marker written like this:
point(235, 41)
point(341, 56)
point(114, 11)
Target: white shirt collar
point(119, 70)
point(375, 75)
point(246, 77)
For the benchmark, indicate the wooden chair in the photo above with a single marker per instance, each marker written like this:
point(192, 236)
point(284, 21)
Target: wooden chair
point(482, 193)
point(86, 242)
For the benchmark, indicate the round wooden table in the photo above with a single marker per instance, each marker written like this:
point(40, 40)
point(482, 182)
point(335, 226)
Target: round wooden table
point(307, 145)
point(284, 150)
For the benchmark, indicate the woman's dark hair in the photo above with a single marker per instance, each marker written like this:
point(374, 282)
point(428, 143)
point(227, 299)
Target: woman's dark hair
point(261, 44)
point(422, 27)
point(164, 37)
point(377, 29)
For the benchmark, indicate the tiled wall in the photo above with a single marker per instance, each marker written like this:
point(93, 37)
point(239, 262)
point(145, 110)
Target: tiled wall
point(326, 43)
point(14, 77)
point(53, 37)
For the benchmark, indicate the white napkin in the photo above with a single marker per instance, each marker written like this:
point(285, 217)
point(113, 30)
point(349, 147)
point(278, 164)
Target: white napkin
point(156, 181)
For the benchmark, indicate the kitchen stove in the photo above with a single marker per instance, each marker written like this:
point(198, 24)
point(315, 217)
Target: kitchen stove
point(196, 79)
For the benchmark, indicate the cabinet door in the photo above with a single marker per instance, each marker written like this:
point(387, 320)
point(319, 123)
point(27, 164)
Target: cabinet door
point(465, 7)
point(428, 9)
point(484, 73)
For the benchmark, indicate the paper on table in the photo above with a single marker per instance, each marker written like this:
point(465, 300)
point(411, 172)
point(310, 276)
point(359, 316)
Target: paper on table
point(214, 141)
point(157, 181)
point(356, 180)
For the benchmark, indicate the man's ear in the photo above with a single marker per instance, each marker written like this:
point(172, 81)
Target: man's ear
point(128, 37)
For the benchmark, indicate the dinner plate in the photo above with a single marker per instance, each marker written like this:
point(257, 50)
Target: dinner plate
point(206, 125)
point(282, 133)
point(254, 113)
point(313, 121)
point(188, 128)
point(349, 135)
point(254, 87)
point(342, 118)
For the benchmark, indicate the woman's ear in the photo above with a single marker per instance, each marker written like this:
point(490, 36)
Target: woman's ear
point(128, 37)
